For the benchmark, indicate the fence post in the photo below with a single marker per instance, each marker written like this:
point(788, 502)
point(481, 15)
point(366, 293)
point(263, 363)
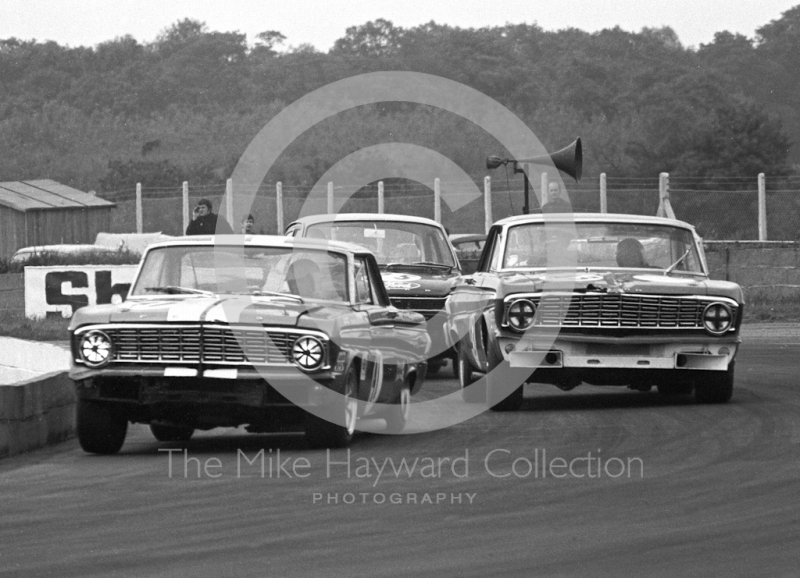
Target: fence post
point(139, 216)
point(279, 205)
point(603, 194)
point(186, 217)
point(762, 207)
point(229, 203)
point(381, 205)
point(330, 198)
point(437, 200)
point(545, 193)
point(487, 203)
point(664, 206)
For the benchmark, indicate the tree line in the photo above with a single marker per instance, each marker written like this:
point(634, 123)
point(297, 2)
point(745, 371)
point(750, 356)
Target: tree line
point(185, 106)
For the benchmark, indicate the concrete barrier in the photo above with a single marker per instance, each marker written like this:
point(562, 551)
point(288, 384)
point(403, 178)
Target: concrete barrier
point(36, 413)
point(765, 270)
point(37, 399)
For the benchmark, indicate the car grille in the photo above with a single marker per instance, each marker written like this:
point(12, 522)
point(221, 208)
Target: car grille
point(427, 306)
point(209, 344)
point(618, 310)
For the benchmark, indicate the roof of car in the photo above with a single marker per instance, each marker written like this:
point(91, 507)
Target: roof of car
point(467, 237)
point(263, 241)
point(593, 218)
point(369, 217)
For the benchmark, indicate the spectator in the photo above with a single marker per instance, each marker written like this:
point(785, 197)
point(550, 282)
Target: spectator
point(206, 222)
point(248, 225)
point(556, 202)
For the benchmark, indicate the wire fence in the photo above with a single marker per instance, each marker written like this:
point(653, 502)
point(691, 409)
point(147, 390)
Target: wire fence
point(724, 208)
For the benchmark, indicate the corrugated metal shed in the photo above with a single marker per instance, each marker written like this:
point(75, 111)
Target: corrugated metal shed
point(45, 212)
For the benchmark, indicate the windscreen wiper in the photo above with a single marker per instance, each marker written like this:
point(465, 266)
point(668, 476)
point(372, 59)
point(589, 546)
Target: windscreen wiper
point(671, 268)
point(432, 264)
point(176, 290)
point(390, 266)
point(263, 292)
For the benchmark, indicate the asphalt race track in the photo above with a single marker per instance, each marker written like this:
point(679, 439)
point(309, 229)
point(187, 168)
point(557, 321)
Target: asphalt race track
point(701, 491)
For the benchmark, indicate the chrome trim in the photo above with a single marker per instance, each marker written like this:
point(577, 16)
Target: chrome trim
point(676, 319)
point(195, 348)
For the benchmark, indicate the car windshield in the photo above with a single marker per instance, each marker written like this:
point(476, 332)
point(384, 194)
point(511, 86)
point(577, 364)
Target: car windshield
point(391, 241)
point(280, 272)
point(602, 245)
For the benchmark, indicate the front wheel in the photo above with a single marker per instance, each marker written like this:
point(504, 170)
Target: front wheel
point(101, 427)
point(397, 416)
point(337, 431)
point(716, 388)
point(513, 401)
point(470, 392)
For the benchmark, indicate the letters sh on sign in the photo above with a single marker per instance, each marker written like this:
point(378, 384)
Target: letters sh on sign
point(62, 290)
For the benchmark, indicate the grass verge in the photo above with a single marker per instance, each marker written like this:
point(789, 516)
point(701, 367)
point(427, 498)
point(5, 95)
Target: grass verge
point(15, 324)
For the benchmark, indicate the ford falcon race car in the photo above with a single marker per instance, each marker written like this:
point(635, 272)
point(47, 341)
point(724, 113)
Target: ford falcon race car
point(417, 262)
point(600, 299)
point(231, 330)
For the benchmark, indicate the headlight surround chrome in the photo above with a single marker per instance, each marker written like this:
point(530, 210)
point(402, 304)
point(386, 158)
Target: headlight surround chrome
point(717, 318)
point(520, 314)
point(96, 348)
point(308, 353)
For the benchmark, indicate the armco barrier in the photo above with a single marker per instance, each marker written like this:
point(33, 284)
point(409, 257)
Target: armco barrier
point(36, 413)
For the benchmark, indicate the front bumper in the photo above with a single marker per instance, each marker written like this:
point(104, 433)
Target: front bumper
point(633, 353)
point(244, 387)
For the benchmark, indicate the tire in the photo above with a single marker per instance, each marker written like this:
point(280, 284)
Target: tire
point(466, 377)
point(101, 427)
point(171, 433)
point(675, 389)
point(456, 369)
point(716, 388)
point(397, 416)
point(322, 433)
point(512, 402)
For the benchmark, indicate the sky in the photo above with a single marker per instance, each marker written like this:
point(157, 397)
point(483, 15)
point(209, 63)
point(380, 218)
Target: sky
point(320, 23)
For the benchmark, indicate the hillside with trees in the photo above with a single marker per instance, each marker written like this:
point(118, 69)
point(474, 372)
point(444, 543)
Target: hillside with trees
point(186, 105)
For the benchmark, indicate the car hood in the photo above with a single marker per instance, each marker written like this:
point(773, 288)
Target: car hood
point(209, 309)
point(418, 283)
point(618, 282)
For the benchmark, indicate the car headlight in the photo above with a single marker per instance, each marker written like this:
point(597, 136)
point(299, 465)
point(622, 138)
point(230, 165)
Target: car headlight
point(308, 353)
point(520, 314)
point(96, 348)
point(717, 318)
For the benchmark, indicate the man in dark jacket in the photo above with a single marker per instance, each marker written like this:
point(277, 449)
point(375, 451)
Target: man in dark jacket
point(556, 203)
point(206, 222)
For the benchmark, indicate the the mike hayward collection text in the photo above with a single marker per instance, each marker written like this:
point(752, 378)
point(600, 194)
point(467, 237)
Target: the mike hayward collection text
point(500, 463)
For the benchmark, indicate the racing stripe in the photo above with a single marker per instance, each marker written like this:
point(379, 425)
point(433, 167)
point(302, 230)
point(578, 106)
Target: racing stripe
point(191, 310)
